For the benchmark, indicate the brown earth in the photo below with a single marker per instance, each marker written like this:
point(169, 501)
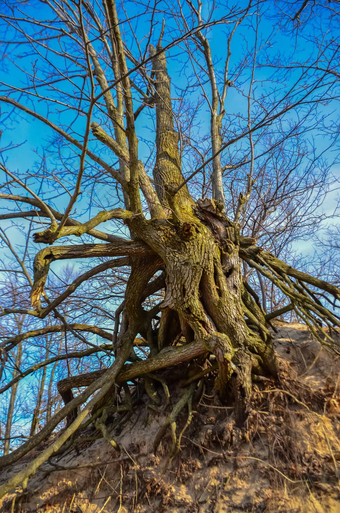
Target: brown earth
point(285, 460)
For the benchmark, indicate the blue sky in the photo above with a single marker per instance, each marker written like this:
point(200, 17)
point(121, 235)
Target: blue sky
point(33, 136)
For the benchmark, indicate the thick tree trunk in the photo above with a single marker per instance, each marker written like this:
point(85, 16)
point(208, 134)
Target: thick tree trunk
point(204, 291)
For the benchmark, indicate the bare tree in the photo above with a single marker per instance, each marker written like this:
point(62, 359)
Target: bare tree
point(164, 282)
point(10, 411)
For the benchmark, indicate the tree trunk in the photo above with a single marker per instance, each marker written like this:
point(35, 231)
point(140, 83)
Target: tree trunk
point(37, 409)
point(50, 398)
point(205, 291)
point(10, 411)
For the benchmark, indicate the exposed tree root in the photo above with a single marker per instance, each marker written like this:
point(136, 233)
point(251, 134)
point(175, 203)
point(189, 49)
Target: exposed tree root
point(186, 399)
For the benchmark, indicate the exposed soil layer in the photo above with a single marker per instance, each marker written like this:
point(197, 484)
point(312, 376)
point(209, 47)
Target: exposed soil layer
point(285, 458)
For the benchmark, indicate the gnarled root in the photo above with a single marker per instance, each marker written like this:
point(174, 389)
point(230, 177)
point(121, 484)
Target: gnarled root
point(186, 399)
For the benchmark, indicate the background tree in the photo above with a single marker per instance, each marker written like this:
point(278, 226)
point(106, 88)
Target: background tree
point(192, 207)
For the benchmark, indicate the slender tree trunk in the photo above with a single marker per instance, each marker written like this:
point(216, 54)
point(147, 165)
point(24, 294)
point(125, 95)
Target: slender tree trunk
point(10, 410)
point(37, 409)
point(50, 399)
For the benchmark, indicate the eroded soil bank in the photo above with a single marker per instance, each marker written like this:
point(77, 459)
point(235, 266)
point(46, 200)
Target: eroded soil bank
point(285, 460)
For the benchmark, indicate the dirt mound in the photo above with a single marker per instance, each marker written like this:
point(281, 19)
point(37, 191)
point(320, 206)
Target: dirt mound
point(285, 459)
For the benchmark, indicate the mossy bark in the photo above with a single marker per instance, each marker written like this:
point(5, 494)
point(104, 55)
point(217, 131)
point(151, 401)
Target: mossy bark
point(204, 298)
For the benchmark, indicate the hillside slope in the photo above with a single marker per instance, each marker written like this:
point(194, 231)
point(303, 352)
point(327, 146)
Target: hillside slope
point(285, 459)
